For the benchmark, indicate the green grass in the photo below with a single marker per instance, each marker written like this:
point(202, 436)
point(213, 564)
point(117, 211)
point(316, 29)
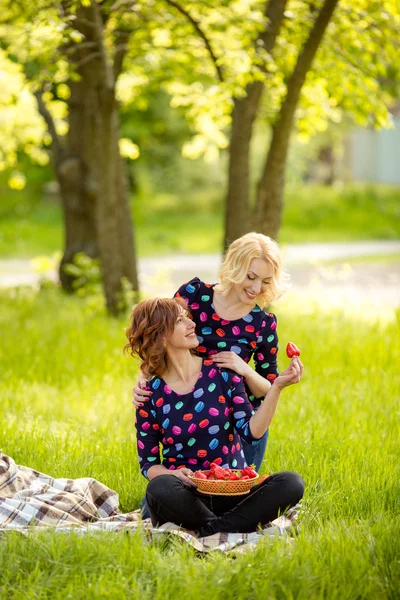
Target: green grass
point(168, 223)
point(354, 212)
point(28, 226)
point(65, 392)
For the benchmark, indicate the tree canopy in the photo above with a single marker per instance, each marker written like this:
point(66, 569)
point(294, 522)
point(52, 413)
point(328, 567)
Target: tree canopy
point(71, 69)
point(204, 56)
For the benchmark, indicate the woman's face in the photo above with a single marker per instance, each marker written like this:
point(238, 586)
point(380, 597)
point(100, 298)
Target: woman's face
point(256, 282)
point(183, 336)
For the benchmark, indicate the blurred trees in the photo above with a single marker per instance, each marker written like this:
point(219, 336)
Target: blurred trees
point(301, 65)
point(73, 57)
point(280, 65)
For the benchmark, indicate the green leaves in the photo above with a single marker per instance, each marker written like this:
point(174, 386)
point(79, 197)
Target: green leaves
point(187, 47)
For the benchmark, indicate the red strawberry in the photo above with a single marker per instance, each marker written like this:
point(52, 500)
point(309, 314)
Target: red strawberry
point(200, 475)
point(292, 350)
point(219, 473)
point(234, 477)
point(249, 471)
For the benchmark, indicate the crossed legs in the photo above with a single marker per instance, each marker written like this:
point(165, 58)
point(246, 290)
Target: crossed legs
point(170, 500)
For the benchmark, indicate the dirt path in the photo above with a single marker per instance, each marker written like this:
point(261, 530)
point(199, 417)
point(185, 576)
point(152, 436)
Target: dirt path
point(312, 274)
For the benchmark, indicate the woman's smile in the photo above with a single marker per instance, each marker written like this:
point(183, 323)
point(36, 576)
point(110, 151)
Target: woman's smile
point(251, 295)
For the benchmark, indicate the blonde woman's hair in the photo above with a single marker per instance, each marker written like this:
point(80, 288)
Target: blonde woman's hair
point(237, 261)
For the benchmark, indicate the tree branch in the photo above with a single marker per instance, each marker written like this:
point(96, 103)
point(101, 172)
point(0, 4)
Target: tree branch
point(274, 12)
point(87, 58)
point(122, 5)
point(121, 48)
point(89, 23)
point(305, 59)
point(69, 50)
point(201, 34)
point(56, 144)
point(270, 187)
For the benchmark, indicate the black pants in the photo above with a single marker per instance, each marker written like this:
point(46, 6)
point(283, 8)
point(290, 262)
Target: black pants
point(170, 500)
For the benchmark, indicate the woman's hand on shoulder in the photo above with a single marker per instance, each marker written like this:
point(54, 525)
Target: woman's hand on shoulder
point(293, 374)
point(141, 393)
point(183, 475)
point(231, 360)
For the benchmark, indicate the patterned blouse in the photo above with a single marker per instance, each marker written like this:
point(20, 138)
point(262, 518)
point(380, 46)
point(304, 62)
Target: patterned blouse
point(252, 336)
point(203, 426)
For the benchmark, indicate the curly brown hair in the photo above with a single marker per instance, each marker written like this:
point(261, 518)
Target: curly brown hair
point(150, 321)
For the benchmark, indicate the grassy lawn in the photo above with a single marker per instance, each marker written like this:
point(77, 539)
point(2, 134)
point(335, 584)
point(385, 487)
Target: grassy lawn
point(167, 223)
point(65, 396)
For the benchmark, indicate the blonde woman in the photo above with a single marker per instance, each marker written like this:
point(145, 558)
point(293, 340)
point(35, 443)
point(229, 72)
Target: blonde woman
point(232, 325)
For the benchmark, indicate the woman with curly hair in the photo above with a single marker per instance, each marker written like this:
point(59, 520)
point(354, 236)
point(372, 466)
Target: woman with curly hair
point(231, 322)
point(199, 413)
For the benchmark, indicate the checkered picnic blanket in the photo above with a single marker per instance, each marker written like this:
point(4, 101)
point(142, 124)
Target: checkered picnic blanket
point(30, 500)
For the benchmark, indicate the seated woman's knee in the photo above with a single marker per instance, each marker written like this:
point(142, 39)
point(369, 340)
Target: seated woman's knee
point(161, 487)
point(295, 485)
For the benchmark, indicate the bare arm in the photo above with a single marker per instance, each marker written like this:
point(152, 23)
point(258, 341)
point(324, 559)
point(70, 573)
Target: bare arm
point(262, 419)
point(257, 384)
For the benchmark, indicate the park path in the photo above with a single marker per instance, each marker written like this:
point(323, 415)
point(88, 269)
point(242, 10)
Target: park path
point(324, 272)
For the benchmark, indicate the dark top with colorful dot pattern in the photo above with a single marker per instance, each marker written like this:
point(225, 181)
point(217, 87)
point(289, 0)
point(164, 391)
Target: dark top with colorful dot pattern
point(252, 336)
point(197, 428)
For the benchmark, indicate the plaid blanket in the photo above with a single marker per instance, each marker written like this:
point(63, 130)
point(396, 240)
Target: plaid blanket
point(30, 500)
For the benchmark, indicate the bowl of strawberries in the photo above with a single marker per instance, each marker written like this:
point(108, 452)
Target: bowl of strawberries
point(225, 482)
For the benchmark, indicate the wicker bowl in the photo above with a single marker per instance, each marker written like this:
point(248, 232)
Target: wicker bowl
point(218, 487)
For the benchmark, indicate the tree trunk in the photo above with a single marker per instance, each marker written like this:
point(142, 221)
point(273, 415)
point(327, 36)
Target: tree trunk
point(77, 184)
point(113, 217)
point(237, 204)
point(78, 192)
point(93, 177)
point(80, 233)
point(269, 200)
point(326, 160)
